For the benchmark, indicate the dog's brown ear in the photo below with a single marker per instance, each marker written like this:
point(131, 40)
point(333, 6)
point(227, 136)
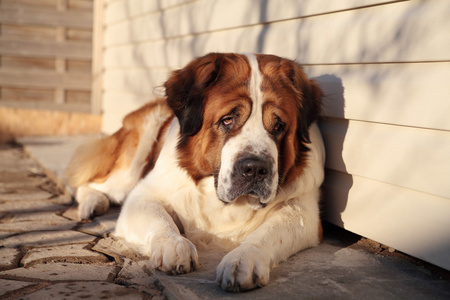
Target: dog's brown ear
point(309, 97)
point(186, 88)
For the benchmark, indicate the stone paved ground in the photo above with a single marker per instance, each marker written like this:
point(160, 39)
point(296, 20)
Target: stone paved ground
point(46, 253)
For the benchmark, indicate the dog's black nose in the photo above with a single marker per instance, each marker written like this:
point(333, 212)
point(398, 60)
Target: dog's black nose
point(254, 168)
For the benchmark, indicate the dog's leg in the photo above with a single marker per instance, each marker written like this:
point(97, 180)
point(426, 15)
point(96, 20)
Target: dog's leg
point(148, 225)
point(90, 202)
point(289, 230)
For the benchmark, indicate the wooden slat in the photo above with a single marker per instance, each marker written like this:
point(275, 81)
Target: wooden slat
point(28, 3)
point(79, 35)
point(78, 66)
point(78, 97)
point(28, 63)
point(26, 94)
point(45, 80)
point(413, 222)
point(28, 33)
point(24, 15)
point(71, 107)
point(47, 49)
point(81, 4)
point(413, 158)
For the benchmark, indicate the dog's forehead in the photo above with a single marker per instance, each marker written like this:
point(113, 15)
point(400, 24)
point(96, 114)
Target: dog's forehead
point(270, 74)
point(255, 79)
point(269, 82)
point(241, 75)
point(247, 66)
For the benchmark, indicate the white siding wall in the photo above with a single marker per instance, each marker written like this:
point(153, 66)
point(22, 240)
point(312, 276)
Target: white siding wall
point(384, 66)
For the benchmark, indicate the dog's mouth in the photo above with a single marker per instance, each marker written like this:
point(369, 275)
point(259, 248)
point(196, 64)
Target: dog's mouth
point(250, 199)
point(260, 191)
point(258, 194)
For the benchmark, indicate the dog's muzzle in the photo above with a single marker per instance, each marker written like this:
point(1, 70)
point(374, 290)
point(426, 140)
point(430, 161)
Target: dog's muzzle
point(251, 175)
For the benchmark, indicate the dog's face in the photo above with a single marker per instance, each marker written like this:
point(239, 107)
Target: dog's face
point(244, 119)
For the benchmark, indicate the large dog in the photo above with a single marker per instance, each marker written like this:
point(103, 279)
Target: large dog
point(231, 158)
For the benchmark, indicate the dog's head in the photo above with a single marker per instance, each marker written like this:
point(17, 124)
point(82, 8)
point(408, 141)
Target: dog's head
point(244, 119)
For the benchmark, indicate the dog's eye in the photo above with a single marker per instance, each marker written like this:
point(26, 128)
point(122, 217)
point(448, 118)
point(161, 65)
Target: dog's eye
point(278, 128)
point(227, 121)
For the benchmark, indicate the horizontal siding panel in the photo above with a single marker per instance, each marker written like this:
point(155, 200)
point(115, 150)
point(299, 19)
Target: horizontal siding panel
point(403, 94)
point(49, 17)
point(113, 108)
point(135, 81)
point(14, 78)
point(413, 158)
point(124, 10)
point(412, 222)
point(402, 31)
point(126, 90)
point(145, 55)
point(45, 49)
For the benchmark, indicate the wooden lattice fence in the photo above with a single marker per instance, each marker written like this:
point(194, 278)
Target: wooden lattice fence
point(46, 55)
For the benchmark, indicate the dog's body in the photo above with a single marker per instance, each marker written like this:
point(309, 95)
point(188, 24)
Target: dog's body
point(232, 158)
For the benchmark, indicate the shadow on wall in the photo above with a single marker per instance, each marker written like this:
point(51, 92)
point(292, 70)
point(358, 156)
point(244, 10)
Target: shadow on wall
point(334, 201)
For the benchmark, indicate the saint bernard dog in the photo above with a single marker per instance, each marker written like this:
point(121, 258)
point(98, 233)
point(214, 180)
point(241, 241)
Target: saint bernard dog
point(231, 158)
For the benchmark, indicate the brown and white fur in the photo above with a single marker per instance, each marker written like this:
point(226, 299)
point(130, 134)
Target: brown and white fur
point(231, 158)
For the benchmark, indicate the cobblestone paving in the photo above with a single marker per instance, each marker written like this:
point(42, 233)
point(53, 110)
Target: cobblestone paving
point(45, 252)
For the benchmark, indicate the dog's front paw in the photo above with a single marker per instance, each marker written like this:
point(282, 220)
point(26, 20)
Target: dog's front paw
point(242, 269)
point(91, 203)
point(173, 254)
